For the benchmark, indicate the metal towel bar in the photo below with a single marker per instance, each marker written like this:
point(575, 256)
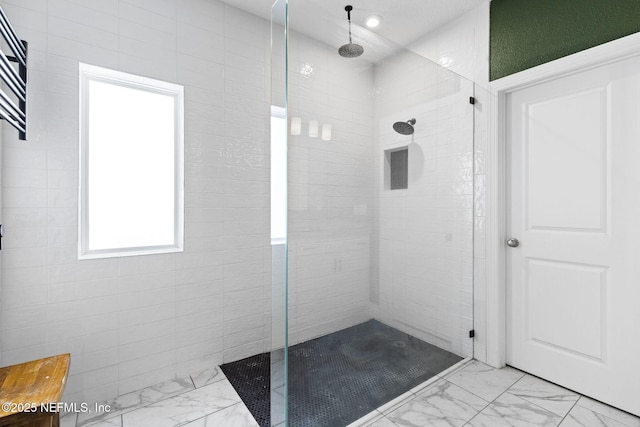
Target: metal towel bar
point(14, 112)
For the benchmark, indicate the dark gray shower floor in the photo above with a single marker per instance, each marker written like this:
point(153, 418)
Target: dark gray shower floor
point(340, 377)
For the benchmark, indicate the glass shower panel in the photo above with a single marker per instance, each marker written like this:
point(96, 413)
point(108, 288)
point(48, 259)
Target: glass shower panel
point(331, 188)
point(331, 178)
point(425, 232)
point(277, 415)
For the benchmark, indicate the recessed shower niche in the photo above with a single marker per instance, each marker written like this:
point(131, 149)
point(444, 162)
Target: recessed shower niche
point(396, 168)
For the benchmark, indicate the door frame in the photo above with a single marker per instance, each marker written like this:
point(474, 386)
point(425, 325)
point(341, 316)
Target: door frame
point(496, 175)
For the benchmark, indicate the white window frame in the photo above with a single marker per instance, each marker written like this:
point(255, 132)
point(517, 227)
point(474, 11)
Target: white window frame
point(88, 73)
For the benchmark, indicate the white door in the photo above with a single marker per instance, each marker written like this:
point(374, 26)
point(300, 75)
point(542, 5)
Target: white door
point(573, 283)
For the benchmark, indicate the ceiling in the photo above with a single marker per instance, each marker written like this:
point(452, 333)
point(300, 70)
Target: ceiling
point(404, 21)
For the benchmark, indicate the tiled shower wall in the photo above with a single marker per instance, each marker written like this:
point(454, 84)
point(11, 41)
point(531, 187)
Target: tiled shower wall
point(351, 242)
point(425, 258)
point(135, 321)
point(462, 46)
point(331, 186)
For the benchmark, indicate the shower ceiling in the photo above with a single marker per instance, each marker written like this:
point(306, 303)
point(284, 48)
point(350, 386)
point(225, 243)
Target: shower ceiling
point(404, 21)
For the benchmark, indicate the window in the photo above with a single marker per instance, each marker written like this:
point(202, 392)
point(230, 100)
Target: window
point(278, 175)
point(131, 164)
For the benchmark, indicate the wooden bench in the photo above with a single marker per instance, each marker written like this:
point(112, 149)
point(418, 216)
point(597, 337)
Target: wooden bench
point(31, 384)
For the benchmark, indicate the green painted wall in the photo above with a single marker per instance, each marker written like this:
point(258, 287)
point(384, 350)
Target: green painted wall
point(526, 33)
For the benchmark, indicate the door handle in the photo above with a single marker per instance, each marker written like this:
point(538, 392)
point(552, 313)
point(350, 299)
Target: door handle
point(513, 242)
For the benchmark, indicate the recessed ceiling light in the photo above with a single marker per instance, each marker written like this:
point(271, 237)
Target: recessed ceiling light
point(373, 21)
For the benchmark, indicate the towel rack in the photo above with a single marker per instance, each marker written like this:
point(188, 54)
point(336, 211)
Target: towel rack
point(16, 81)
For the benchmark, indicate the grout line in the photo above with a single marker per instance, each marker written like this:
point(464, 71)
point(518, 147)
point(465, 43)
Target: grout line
point(528, 402)
point(176, 395)
point(600, 414)
point(516, 381)
point(497, 397)
point(485, 407)
point(548, 382)
point(477, 413)
point(569, 411)
point(129, 409)
point(192, 421)
point(455, 368)
point(472, 393)
point(533, 404)
point(606, 404)
point(491, 402)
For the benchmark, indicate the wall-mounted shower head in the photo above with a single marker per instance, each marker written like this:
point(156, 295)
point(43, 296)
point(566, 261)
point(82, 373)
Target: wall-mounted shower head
point(404, 128)
point(350, 50)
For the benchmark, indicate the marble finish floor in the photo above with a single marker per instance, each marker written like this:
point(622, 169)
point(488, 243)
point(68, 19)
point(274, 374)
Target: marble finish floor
point(470, 394)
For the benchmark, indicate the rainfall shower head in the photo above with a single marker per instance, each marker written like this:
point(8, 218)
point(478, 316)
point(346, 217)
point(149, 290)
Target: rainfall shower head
point(404, 128)
point(350, 50)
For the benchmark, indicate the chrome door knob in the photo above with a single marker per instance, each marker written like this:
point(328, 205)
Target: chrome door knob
point(513, 243)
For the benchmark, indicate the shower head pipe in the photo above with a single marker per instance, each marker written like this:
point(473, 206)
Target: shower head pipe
point(350, 50)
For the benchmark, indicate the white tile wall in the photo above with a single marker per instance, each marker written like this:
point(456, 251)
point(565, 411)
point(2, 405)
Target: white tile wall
point(132, 322)
point(331, 190)
point(463, 46)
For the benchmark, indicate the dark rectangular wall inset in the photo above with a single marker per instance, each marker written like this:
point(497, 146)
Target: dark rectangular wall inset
point(399, 166)
point(526, 33)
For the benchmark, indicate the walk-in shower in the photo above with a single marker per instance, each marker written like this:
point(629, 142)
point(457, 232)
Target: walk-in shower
point(375, 285)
